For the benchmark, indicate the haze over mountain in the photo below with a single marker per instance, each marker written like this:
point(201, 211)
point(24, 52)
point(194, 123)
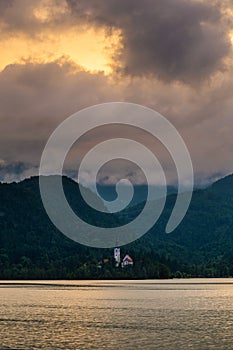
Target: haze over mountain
point(31, 247)
point(108, 192)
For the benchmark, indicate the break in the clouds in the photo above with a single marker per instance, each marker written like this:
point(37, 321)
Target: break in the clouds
point(59, 56)
point(180, 40)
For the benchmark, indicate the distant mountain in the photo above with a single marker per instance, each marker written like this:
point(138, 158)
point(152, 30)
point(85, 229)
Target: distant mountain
point(223, 186)
point(27, 234)
point(31, 247)
point(108, 192)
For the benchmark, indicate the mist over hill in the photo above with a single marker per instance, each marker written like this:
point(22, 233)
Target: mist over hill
point(31, 247)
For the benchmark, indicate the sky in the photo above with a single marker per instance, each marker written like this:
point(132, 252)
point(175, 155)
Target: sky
point(59, 56)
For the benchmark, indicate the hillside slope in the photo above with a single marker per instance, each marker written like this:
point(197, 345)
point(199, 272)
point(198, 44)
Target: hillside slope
point(31, 247)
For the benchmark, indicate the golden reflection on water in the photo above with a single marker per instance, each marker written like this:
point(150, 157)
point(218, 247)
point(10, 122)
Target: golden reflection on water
point(176, 314)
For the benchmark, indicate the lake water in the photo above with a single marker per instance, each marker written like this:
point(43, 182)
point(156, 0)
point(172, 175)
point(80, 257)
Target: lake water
point(174, 314)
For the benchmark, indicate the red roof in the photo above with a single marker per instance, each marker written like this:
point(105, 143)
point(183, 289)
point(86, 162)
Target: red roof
point(128, 258)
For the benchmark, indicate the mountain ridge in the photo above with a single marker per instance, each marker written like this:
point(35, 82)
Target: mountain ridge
point(31, 247)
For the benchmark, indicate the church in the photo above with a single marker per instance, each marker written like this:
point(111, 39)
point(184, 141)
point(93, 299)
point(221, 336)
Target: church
point(127, 260)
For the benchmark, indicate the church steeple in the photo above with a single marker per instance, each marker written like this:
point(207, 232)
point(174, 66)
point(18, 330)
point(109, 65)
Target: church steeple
point(117, 255)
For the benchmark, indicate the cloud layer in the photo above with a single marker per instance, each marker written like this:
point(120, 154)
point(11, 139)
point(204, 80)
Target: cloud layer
point(171, 39)
point(174, 56)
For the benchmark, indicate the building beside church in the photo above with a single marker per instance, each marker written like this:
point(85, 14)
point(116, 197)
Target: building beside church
point(127, 261)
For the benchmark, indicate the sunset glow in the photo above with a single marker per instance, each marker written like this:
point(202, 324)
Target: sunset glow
point(88, 49)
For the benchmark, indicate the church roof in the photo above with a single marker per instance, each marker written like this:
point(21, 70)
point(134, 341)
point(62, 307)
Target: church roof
point(128, 258)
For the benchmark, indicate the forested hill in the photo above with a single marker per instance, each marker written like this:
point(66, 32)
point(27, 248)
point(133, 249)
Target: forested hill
point(31, 247)
point(223, 186)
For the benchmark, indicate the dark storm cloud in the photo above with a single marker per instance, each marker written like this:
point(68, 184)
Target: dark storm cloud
point(35, 98)
point(21, 17)
point(180, 40)
point(16, 16)
point(4, 4)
